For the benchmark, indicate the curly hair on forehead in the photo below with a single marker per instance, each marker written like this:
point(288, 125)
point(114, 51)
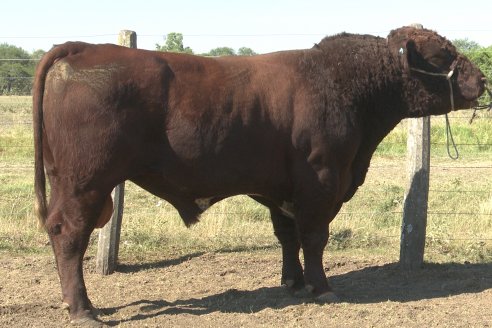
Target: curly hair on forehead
point(420, 36)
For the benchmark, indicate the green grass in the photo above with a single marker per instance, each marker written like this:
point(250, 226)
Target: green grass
point(460, 201)
point(16, 138)
point(473, 140)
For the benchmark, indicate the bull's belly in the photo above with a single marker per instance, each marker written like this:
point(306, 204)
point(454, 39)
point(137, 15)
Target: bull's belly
point(192, 196)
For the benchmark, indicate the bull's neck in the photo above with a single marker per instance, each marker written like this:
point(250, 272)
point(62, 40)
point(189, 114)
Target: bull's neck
point(378, 92)
point(365, 79)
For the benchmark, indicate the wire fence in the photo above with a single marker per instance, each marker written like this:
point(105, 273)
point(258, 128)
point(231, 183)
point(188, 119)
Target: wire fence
point(470, 178)
point(219, 37)
point(460, 191)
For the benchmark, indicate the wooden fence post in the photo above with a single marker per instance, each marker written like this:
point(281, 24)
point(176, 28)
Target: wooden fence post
point(416, 194)
point(127, 39)
point(109, 235)
point(414, 221)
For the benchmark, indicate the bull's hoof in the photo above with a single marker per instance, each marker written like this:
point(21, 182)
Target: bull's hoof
point(293, 284)
point(327, 298)
point(88, 321)
point(288, 283)
point(309, 292)
point(304, 293)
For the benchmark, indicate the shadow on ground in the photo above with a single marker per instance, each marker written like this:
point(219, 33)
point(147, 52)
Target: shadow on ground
point(137, 267)
point(371, 284)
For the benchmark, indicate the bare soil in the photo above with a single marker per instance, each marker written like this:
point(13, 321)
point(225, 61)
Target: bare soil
point(242, 290)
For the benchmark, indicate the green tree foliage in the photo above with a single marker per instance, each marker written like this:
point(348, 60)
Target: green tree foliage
point(174, 43)
point(466, 45)
point(482, 58)
point(36, 55)
point(245, 51)
point(227, 51)
point(221, 51)
point(16, 70)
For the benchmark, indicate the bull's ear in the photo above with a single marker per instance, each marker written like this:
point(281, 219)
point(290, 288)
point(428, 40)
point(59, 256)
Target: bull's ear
point(404, 41)
point(412, 55)
point(406, 54)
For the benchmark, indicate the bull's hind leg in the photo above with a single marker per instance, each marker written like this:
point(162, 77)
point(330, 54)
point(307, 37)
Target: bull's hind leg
point(286, 231)
point(70, 224)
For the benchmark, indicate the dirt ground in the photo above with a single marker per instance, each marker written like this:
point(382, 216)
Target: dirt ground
point(242, 290)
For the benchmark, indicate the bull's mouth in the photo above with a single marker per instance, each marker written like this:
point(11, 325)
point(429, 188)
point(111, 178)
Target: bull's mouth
point(466, 102)
point(488, 106)
point(472, 100)
point(462, 101)
point(473, 103)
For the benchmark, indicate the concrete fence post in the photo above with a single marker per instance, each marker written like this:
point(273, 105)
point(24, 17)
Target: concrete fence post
point(109, 235)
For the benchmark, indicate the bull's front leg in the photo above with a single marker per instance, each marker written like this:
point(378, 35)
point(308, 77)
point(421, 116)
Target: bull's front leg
point(314, 237)
point(286, 231)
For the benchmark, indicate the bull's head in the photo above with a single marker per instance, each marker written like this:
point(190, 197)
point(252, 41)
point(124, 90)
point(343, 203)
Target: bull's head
point(429, 60)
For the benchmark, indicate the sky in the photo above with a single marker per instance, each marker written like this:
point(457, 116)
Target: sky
point(263, 25)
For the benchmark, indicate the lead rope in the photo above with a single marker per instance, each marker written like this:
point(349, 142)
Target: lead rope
point(449, 137)
point(449, 133)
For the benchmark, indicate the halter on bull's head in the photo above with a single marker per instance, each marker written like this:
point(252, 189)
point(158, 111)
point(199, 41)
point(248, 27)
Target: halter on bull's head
point(432, 62)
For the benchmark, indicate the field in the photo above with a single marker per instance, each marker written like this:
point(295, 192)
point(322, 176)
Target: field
point(225, 270)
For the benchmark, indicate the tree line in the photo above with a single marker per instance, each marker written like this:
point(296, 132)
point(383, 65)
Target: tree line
point(174, 43)
point(17, 69)
point(17, 65)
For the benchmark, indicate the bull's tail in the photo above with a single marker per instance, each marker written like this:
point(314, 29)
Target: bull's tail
point(41, 205)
